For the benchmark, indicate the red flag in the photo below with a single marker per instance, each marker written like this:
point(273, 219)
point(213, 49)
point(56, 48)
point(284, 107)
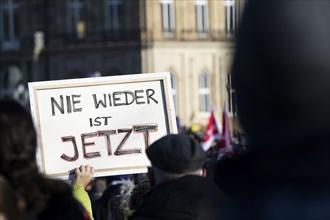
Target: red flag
point(225, 142)
point(212, 131)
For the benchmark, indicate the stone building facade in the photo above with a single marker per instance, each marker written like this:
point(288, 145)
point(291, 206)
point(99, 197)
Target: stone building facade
point(62, 39)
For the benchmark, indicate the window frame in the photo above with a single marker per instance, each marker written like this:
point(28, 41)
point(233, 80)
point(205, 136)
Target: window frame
point(174, 86)
point(230, 16)
point(232, 96)
point(204, 92)
point(202, 16)
point(168, 16)
point(76, 26)
point(112, 18)
point(12, 42)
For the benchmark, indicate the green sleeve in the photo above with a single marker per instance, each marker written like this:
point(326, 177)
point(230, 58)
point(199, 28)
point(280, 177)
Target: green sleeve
point(81, 195)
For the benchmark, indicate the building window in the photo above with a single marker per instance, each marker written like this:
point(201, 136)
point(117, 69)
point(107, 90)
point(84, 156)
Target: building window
point(168, 16)
point(232, 101)
point(230, 16)
point(174, 84)
point(202, 15)
point(204, 93)
point(113, 12)
point(76, 24)
point(8, 24)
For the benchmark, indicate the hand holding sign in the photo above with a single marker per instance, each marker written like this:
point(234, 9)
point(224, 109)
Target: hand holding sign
point(83, 176)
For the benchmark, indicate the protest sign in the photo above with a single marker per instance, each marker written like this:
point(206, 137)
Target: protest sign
point(105, 122)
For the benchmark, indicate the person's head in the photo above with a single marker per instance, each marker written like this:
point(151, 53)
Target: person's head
point(35, 194)
point(281, 70)
point(99, 186)
point(18, 140)
point(174, 156)
point(118, 205)
point(111, 191)
point(18, 152)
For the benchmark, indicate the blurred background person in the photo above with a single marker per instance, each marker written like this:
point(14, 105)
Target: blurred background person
point(100, 206)
point(119, 188)
point(119, 207)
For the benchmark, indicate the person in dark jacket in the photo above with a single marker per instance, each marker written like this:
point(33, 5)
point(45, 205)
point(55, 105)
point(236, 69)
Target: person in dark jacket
point(281, 76)
point(39, 197)
point(180, 192)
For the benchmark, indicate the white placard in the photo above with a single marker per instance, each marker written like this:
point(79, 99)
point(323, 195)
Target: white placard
point(105, 122)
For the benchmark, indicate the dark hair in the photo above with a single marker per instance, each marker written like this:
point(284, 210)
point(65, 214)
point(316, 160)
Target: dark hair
point(209, 165)
point(8, 204)
point(138, 193)
point(118, 206)
point(18, 153)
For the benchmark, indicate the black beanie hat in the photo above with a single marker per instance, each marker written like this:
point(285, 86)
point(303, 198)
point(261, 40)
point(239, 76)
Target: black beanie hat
point(176, 153)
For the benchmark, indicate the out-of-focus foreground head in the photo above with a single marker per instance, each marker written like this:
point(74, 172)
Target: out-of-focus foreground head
point(281, 70)
point(18, 139)
point(18, 152)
